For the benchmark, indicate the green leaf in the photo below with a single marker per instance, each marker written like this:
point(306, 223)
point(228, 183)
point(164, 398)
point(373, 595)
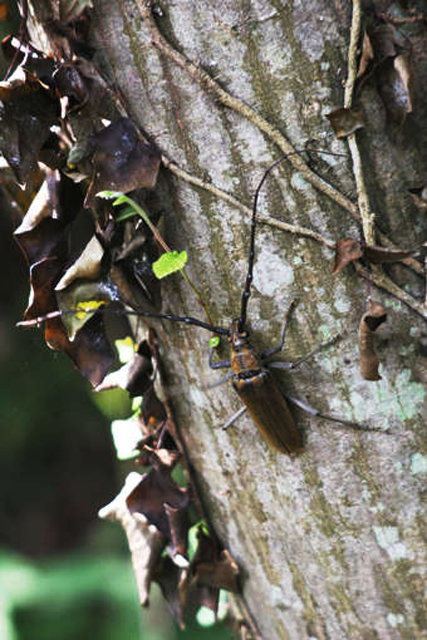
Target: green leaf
point(169, 263)
point(121, 199)
point(109, 195)
point(214, 342)
point(129, 212)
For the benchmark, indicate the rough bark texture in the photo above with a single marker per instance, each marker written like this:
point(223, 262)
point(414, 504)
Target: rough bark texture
point(330, 543)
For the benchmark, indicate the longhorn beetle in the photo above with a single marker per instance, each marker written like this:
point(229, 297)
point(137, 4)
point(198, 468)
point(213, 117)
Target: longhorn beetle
point(250, 378)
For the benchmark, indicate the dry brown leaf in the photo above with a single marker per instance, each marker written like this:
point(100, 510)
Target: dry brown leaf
point(346, 250)
point(374, 317)
point(345, 121)
point(146, 542)
point(86, 267)
point(367, 55)
point(135, 376)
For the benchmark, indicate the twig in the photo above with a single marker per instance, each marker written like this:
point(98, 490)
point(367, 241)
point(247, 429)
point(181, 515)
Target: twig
point(382, 281)
point(264, 219)
point(368, 218)
point(203, 78)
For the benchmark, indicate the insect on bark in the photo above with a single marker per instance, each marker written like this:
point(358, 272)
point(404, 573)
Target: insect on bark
point(251, 378)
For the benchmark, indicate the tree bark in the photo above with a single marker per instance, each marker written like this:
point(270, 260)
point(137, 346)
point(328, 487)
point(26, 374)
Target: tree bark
point(330, 543)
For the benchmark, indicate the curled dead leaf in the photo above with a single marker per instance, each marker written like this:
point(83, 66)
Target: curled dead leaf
point(345, 121)
point(346, 250)
point(374, 317)
point(379, 255)
point(214, 567)
point(134, 376)
point(153, 411)
point(146, 542)
point(155, 496)
point(87, 266)
point(121, 161)
point(366, 57)
point(27, 111)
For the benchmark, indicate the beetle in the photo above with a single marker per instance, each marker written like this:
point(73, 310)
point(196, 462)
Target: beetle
point(251, 378)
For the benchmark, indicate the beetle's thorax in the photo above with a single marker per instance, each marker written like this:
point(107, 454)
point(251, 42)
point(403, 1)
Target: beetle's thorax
point(244, 359)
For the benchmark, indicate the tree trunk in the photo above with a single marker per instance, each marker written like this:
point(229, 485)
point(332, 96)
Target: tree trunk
point(329, 542)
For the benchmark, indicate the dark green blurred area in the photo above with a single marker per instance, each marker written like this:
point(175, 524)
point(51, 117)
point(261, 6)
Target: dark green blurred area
point(64, 574)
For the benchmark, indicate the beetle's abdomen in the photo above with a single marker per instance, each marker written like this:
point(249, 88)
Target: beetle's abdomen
point(269, 410)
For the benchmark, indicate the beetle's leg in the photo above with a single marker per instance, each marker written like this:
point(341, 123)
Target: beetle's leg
point(221, 381)
point(235, 417)
point(315, 412)
point(273, 350)
point(293, 365)
point(224, 364)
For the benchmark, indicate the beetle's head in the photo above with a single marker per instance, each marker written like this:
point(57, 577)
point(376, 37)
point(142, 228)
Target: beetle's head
point(238, 339)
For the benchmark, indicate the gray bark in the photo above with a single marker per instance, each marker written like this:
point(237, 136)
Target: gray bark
point(331, 542)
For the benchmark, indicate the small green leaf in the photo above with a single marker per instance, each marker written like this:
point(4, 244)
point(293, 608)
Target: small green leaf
point(193, 536)
point(214, 342)
point(120, 199)
point(109, 195)
point(129, 212)
point(169, 263)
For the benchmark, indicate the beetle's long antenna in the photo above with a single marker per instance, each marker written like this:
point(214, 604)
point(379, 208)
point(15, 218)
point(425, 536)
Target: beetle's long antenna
point(146, 314)
point(185, 319)
point(247, 290)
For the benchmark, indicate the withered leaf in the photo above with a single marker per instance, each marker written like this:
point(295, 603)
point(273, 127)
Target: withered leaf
point(213, 567)
point(378, 255)
point(150, 497)
point(121, 161)
point(133, 273)
point(345, 121)
point(222, 574)
point(135, 376)
point(90, 351)
point(346, 250)
point(87, 266)
point(395, 87)
point(42, 227)
point(152, 409)
point(43, 276)
point(179, 526)
point(383, 41)
point(27, 111)
point(49, 237)
point(83, 298)
point(373, 318)
point(70, 83)
point(36, 62)
point(146, 542)
point(366, 57)
point(178, 590)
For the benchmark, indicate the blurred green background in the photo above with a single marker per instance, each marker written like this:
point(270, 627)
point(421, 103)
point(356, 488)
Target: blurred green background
point(64, 574)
